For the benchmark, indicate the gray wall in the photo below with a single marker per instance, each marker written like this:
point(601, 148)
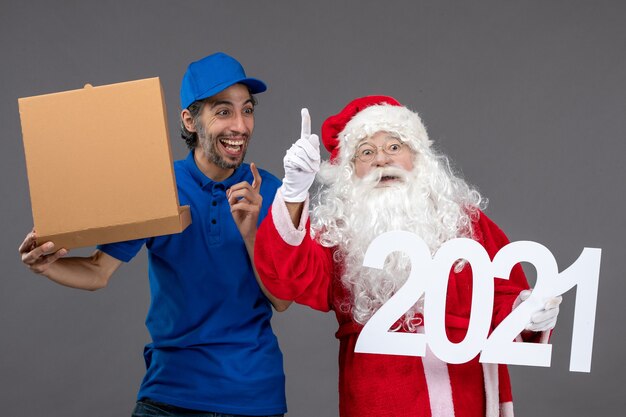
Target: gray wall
point(527, 97)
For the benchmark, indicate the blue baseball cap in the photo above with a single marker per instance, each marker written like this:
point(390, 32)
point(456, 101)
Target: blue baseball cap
point(213, 74)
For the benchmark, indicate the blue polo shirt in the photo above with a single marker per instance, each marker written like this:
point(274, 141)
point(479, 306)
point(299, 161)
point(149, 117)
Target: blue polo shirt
point(212, 345)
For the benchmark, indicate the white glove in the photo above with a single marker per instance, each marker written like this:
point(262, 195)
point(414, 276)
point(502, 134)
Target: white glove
point(301, 163)
point(544, 319)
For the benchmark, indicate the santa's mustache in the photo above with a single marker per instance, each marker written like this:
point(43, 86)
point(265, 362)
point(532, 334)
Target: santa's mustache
point(376, 175)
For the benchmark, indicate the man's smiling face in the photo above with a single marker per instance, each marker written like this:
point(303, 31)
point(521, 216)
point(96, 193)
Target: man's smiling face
point(225, 125)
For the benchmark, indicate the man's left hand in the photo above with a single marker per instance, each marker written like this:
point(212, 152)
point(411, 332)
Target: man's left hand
point(245, 204)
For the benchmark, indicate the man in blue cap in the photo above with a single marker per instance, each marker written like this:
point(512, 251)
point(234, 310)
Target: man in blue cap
point(213, 351)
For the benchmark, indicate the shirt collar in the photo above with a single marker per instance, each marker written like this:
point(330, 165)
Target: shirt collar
point(205, 181)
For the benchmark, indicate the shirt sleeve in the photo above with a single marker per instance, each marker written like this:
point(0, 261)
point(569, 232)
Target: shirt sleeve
point(291, 264)
point(123, 251)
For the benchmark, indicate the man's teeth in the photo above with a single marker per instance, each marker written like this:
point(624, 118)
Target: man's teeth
point(232, 144)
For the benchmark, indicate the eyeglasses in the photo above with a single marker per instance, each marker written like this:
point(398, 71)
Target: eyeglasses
point(367, 152)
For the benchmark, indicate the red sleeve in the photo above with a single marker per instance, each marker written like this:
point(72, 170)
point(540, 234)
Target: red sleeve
point(301, 273)
point(506, 291)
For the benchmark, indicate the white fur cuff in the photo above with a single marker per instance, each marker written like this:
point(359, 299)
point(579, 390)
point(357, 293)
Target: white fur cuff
point(284, 225)
point(506, 409)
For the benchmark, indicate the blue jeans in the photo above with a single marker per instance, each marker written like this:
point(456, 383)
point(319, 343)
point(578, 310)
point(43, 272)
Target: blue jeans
point(149, 408)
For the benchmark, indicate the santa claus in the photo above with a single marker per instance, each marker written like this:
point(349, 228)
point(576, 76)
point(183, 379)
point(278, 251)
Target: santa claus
point(384, 175)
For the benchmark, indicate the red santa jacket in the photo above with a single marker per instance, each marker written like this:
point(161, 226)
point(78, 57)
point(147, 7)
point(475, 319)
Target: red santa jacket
point(293, 266)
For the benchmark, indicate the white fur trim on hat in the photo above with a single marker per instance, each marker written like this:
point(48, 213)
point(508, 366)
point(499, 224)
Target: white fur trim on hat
point(397, 120)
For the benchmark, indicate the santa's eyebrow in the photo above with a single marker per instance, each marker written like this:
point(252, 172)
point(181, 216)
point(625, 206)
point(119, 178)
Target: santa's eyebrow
point(386, 138)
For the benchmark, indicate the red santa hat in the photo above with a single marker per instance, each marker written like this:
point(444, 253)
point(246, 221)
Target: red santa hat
point(363, 117)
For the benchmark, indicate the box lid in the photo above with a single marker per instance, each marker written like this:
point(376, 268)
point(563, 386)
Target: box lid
point(98, 157)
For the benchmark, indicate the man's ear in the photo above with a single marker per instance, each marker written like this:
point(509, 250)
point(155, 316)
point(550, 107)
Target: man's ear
point(187, 119)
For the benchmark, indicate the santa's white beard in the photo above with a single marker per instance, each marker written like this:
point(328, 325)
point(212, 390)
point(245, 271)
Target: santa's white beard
point(352, 212)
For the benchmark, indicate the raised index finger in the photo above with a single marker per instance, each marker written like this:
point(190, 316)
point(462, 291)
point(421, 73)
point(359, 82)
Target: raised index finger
point(306, 123)
point(256, 183)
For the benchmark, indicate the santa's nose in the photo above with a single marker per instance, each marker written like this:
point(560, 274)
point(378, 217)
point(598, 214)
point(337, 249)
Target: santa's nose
point(381, 159)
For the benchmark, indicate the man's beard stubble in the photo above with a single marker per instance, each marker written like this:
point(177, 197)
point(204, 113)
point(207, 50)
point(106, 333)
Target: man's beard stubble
point(209, 147)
